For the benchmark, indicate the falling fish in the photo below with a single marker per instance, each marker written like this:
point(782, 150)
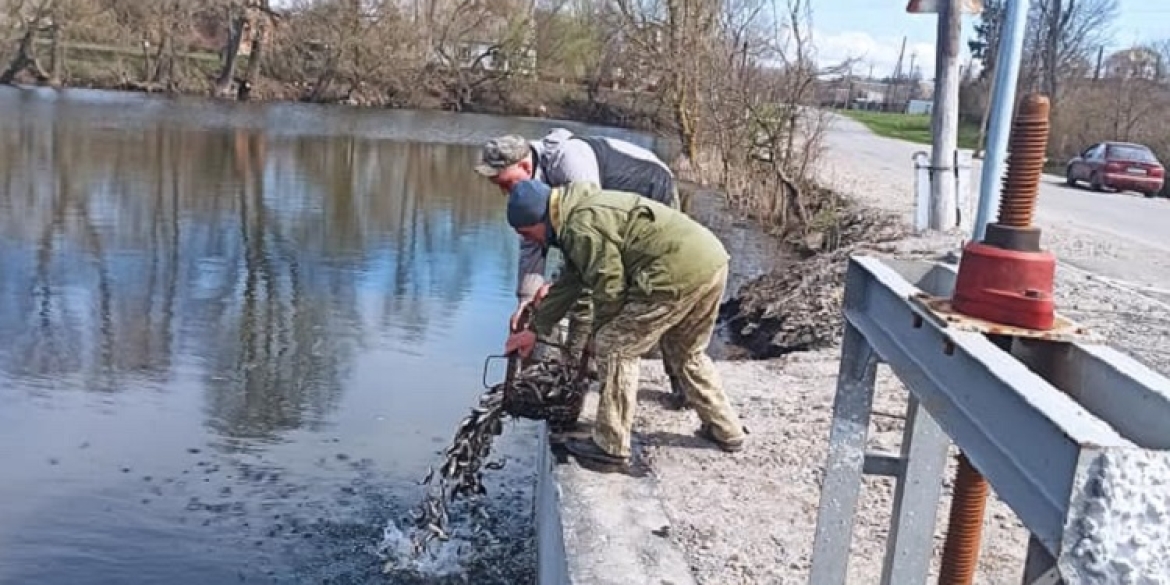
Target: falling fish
point(470, 450)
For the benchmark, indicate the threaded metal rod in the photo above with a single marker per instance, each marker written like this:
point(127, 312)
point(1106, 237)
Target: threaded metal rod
point(965, 528)
point(1025, 164)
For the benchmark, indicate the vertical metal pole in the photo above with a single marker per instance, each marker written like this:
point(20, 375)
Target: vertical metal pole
point(845, 461)
point(911, 543)
point(1038, 562)
point(946, 115)
point(1046, 359)
point(921, 192)
point(1007, 73)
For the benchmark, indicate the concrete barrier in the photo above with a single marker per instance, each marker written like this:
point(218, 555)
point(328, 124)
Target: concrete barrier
point(595, 528)
point(552, 564)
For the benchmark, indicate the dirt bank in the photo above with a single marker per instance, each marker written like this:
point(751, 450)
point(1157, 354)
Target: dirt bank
point(797, 308)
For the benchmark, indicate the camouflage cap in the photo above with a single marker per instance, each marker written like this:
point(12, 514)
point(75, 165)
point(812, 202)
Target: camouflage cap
point(500, 153)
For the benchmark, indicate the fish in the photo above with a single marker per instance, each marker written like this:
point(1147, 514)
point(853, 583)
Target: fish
point(460, 473)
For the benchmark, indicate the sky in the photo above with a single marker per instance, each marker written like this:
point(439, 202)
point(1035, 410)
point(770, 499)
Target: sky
point(872, 30)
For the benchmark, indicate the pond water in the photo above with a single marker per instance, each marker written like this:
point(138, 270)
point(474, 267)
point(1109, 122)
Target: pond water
point(236, 336)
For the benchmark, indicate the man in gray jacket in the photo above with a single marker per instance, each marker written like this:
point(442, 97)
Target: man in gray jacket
point(561, 158)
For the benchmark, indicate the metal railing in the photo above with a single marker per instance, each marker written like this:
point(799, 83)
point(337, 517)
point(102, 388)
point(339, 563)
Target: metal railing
point(1047, 422)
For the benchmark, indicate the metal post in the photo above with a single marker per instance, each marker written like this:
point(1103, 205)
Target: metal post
point(963, 200)
point(916, 498)
point(946, 115)
point(921, 191)
point(1038, 563)
point(846, 459)
point(1040, 419)
point(1007, 73)
point(1047, 361)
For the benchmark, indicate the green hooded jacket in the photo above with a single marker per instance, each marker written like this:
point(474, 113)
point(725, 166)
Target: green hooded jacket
point(620, 246)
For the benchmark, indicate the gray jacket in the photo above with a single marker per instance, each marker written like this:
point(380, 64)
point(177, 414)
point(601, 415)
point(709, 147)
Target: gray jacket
point(610, 163)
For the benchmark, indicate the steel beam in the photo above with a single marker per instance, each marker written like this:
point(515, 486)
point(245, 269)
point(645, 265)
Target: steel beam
point(1038, 565)
point(843, 470)
point(883, 464)
point(1114, 387)
point(1048, 423)
point(1022, 433)
point(916, 497)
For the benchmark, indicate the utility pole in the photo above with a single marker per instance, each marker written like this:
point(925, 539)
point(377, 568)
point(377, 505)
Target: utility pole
point(945, 130)
point(895, 79)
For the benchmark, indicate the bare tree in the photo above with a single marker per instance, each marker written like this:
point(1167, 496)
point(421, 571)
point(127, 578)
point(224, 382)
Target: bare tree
point(760, 101)
point(1162, 50)
point(1072, 30)
point(247, 23)
point(677, 37)
point(476, 42)
point(32, 17)
point(570, 36)
point(341, 51)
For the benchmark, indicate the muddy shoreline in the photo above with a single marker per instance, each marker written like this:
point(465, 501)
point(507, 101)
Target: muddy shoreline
point(782, 298)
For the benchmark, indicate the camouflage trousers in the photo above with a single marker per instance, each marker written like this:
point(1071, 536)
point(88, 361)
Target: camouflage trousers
point(683, 327)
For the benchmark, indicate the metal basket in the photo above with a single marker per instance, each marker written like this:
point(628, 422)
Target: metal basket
point(546, 390)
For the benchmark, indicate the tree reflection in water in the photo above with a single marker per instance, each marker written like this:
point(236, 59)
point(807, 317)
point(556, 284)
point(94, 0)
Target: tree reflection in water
point(129, 254)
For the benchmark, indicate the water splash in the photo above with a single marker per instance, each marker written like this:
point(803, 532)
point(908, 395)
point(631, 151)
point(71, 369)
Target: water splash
point(397, 551)
point(453, 512)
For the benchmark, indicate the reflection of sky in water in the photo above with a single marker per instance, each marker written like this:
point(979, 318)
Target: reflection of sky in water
point(185, 302)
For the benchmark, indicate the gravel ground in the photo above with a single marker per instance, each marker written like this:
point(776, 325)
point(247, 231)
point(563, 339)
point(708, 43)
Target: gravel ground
point(750, 517)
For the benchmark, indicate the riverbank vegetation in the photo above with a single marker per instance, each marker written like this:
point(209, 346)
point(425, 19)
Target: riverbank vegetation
point(734, 82)
point(731, 80)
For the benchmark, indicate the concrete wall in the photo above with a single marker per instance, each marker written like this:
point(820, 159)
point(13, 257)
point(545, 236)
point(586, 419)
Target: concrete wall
point(601, 528)
point(552, 565)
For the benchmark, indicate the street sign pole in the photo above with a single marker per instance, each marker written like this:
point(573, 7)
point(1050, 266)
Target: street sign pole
point(945, 117)
point(945, 129)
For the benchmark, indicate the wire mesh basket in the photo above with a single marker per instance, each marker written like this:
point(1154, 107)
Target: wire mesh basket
point(551, 390)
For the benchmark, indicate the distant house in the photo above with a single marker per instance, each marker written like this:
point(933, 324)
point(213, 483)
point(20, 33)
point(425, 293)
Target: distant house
point(504, 37)
point(1135, 63)
point(920, 107)
point(868, 94)
point(488, 56)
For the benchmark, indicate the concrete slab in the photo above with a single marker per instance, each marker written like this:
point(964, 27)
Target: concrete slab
point(602, 527)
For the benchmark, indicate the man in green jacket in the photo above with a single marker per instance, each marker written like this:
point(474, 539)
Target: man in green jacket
point(655, 276)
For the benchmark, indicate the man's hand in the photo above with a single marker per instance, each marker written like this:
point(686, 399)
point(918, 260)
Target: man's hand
point(523, 343)
point(514, 321)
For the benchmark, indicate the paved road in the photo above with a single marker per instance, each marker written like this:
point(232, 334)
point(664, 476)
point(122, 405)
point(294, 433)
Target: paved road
point(1127, 215)
point(1123, 235)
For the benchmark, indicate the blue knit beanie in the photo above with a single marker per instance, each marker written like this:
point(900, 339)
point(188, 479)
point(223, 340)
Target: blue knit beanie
point(528, 203)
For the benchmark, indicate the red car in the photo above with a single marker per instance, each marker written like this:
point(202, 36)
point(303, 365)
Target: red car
point(1121, 166)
